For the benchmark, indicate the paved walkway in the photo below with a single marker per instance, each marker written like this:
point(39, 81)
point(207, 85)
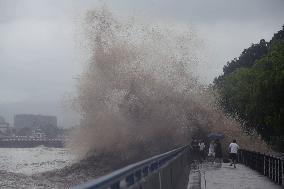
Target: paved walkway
point(227, 177)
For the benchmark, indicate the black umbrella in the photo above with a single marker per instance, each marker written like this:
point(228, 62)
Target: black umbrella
point(214, 136)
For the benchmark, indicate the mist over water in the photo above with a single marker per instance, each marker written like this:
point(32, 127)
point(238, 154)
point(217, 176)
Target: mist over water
point(139, 95)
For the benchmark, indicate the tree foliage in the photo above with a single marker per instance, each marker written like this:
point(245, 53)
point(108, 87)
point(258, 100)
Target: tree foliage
point(252, 87)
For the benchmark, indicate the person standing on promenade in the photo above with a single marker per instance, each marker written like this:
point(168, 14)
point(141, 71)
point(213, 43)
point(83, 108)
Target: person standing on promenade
point(194, 149)
point(233, 149)
point(218, 152)
point(211, 152)
point(202, 150)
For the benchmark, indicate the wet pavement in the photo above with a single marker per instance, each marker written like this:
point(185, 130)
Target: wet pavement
point(214, 176)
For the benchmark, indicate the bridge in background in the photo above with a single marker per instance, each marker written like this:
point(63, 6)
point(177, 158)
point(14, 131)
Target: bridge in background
point(176, 170)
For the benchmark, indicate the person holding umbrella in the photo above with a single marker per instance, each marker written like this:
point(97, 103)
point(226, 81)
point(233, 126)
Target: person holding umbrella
point(195, 149)
point(218, 155)
point(211, 152)
point(218, 152)
point(214, 136)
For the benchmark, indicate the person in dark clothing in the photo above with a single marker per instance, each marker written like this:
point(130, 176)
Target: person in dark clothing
point(202, 146)
point(218, 153)
point(195, 149)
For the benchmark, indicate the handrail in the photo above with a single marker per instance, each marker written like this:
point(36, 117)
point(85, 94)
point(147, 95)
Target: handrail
point(268, 165)
point(133, 173)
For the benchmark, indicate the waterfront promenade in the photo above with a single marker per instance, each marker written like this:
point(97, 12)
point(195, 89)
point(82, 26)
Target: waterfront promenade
point(209, 176)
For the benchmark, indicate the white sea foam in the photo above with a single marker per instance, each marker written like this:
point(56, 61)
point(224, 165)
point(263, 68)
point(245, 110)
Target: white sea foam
point(34, 160)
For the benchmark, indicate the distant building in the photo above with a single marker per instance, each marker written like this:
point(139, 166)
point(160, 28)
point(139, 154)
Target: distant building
point(34, 121)
point(4, 126)
point(30, 125)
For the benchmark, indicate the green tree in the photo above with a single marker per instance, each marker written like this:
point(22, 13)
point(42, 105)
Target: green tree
point(252, 87)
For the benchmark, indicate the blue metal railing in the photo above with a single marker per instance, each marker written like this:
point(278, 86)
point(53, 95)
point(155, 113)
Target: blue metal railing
point(134, 173)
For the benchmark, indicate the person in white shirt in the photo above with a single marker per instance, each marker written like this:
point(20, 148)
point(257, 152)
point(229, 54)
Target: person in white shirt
point(202, 150)
point(211, 152)
point(233, 149)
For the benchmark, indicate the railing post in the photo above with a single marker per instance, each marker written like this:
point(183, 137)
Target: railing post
point(264, 164)
point(259, 162)
point(251, 160)
point(277, 170)
point(246, 158)
point(273, 169)
point(138, 175)
point(115, 185)
point(256, 161)
point(269, 168)
point(239, 156)
point(145, 171)
point(281, 171)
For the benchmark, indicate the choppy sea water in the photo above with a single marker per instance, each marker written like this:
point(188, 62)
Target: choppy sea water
point(19, 167)
point(34, 160)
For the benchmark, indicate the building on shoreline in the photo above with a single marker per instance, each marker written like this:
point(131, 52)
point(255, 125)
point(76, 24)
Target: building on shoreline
point(31, 131)
point(36, 125)
point(4, 126)
point(34, 121)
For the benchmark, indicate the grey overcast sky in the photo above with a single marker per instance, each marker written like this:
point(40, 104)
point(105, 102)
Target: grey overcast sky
point(41, 52)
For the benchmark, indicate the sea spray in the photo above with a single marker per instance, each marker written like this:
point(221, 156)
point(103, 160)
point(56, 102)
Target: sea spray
point(138, 95)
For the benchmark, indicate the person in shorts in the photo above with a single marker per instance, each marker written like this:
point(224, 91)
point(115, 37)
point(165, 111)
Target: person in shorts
point(233, 149)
